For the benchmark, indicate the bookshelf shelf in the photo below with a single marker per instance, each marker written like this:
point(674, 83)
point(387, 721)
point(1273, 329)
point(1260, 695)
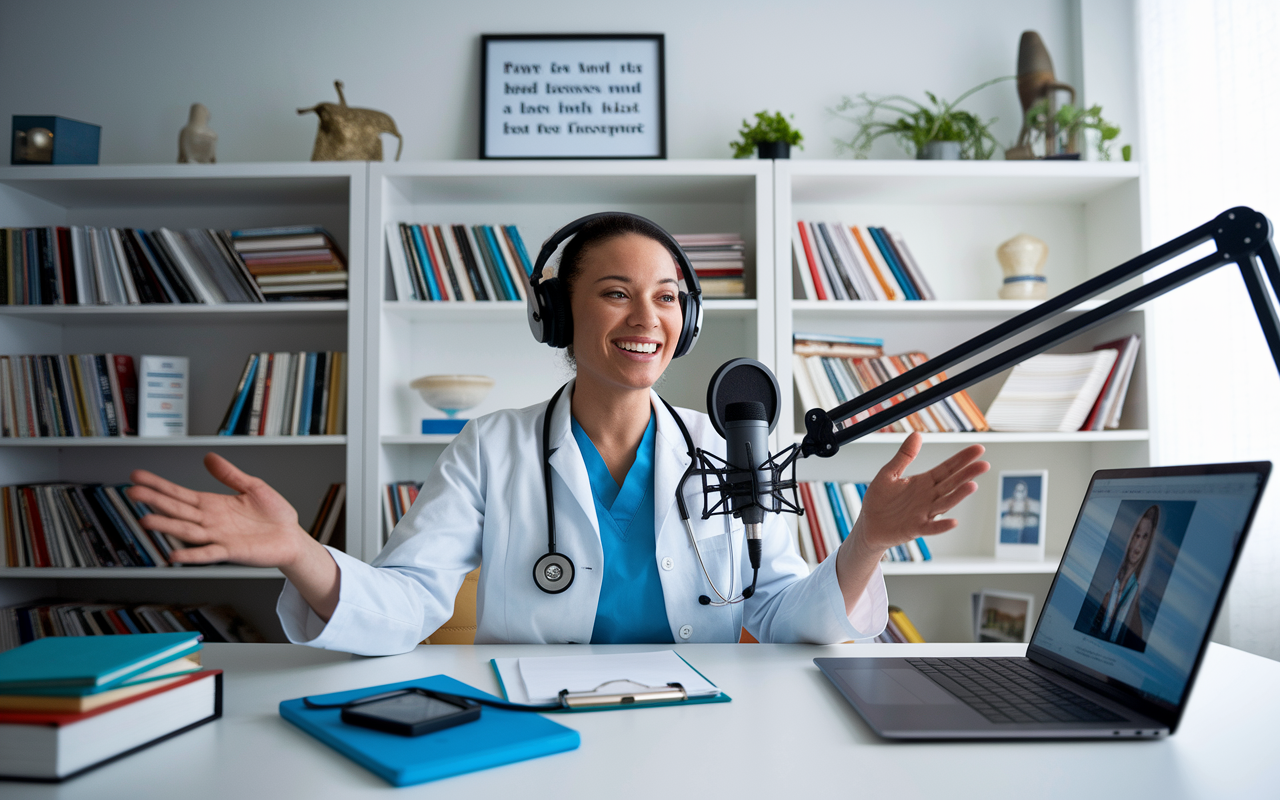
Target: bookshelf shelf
point(213, 572)
point(956, 565)
point(223, 313)
point(183, 441)
point(419, 438)
point(1004, 437)
point(930, 309)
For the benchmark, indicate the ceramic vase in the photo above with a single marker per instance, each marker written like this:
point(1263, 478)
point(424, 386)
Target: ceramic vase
point(1022, 261)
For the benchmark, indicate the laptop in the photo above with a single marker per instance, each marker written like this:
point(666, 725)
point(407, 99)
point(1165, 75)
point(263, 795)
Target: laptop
point(1120, 638)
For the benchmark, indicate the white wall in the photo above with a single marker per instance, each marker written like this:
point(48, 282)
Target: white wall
point(135, 67)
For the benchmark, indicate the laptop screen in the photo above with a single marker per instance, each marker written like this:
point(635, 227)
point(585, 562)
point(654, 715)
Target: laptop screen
point(1142, 574)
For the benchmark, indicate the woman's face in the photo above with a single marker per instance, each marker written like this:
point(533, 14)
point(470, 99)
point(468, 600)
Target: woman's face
point(626, 312)
point(1138, 543)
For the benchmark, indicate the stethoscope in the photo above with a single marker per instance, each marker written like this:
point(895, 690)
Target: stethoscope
point(554, 571)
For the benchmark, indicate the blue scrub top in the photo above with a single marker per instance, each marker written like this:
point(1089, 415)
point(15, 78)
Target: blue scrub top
point(631, 609)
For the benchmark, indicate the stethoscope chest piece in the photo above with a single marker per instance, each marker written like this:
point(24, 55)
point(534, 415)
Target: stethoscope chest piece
point(553, 573)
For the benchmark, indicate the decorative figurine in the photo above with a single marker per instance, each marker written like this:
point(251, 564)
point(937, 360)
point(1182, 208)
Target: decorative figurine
point(197, 141)
point(1022, 259)
point(1035, 82)
point(350, 134)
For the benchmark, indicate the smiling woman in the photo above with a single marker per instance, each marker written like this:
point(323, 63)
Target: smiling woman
point(583, 493)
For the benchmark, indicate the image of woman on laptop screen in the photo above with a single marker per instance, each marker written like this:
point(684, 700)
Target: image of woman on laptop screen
point(1129, 581)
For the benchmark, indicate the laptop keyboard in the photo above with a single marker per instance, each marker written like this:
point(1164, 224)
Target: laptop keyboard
point(1005, 691)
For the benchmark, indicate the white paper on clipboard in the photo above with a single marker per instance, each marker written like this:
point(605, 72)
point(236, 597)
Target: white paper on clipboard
point(540, 680)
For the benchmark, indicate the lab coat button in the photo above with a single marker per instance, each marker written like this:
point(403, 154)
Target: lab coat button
point(667, 563)
point(686, 631)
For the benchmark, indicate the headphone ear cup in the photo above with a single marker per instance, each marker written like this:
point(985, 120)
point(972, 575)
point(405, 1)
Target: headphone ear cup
point(561, 334)
point(691, 322)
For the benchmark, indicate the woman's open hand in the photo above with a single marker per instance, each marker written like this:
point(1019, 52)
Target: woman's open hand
point(897, 509)
point(255, 526)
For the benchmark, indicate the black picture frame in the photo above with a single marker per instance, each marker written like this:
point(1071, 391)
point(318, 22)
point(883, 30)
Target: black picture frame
point(660, 42)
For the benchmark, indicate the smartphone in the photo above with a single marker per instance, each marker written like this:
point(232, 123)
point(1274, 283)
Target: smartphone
point(412, 714)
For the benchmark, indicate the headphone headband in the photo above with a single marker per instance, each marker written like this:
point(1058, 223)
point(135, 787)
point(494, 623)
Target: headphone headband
point(548, 302)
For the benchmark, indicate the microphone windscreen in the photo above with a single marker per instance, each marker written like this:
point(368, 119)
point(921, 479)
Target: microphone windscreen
point(743, 380)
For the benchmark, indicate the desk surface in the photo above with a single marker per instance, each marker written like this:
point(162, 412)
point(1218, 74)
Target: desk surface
point(786, 734)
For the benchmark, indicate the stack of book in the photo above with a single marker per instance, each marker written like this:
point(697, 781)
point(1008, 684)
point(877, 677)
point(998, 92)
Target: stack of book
point(81, 265)
point(44, 618)
point(830, 509)
point(464, 263)
point(293, 263)
point(1071, 392)
point(836, 261)
point(831, 370)
point(330, 525)
point(899, 629)
point(396, 500)
point(70, 704)
point(719, 260)
point(78, 525)
point(289, 394)
point(68, 395)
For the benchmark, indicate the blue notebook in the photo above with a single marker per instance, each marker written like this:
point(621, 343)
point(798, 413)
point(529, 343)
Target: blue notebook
point(498, 737)
point(89, 664)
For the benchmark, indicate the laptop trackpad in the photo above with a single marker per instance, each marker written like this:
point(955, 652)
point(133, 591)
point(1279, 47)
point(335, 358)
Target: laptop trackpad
point(895, 687)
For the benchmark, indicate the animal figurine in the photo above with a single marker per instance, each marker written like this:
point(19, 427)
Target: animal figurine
point(1035, 81)
point(197, 141)
point(350, 134)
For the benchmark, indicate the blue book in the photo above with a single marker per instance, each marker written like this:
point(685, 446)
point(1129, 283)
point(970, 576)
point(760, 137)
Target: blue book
point(924, 549)
point(514, 234)
point(238, 404)
point(284, 230)
point(424, 258)
point(835, 338)
point(308, 392)
point(500, 264)
point(838, 509)
point(498, 737)
point(89, 664)
point(890, 258)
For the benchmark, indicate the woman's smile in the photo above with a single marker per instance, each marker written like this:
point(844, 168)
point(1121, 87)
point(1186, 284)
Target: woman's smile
point(638, 349)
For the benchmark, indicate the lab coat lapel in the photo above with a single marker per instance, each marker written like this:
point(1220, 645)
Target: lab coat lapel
point(566, 459)
point(671, 459)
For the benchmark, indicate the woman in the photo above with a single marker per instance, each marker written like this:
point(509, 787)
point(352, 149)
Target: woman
point(617, 454)
point(1119, 617)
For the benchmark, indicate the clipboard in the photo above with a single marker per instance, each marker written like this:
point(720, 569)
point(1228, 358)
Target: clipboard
point(612, 694)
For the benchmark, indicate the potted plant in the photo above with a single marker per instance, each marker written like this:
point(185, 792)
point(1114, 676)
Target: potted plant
point(771, 137)
point(1061, 129)
point(939, 130)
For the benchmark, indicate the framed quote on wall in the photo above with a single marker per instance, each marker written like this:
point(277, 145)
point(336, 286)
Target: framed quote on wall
point(572, 96)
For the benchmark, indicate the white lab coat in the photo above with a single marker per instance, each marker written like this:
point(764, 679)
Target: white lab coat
point(484, 503)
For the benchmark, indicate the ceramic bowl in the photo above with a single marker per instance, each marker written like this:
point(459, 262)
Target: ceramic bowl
point(453, 393)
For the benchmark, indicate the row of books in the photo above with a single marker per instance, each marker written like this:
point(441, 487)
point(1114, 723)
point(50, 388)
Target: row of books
point(289, 394)
point(459, 263)
point(830, 510)
point(836, 261)
point(28, 622)
point(831, 370)
point(68, 395)
point(78, 525)
point(84, 265)
point(719, 259)
point(71, 701)
point(396, 500)
point(1067, 392)
point(295, 263)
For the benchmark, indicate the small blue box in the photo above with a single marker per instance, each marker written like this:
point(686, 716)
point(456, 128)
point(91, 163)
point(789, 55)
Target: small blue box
point(443, 425)
point(54, 140)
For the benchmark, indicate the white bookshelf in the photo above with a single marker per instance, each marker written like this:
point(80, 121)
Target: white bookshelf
point(954, 215)
point(217, 339)
point(407, 339)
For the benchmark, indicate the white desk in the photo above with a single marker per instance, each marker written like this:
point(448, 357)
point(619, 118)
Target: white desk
point(787, 734)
